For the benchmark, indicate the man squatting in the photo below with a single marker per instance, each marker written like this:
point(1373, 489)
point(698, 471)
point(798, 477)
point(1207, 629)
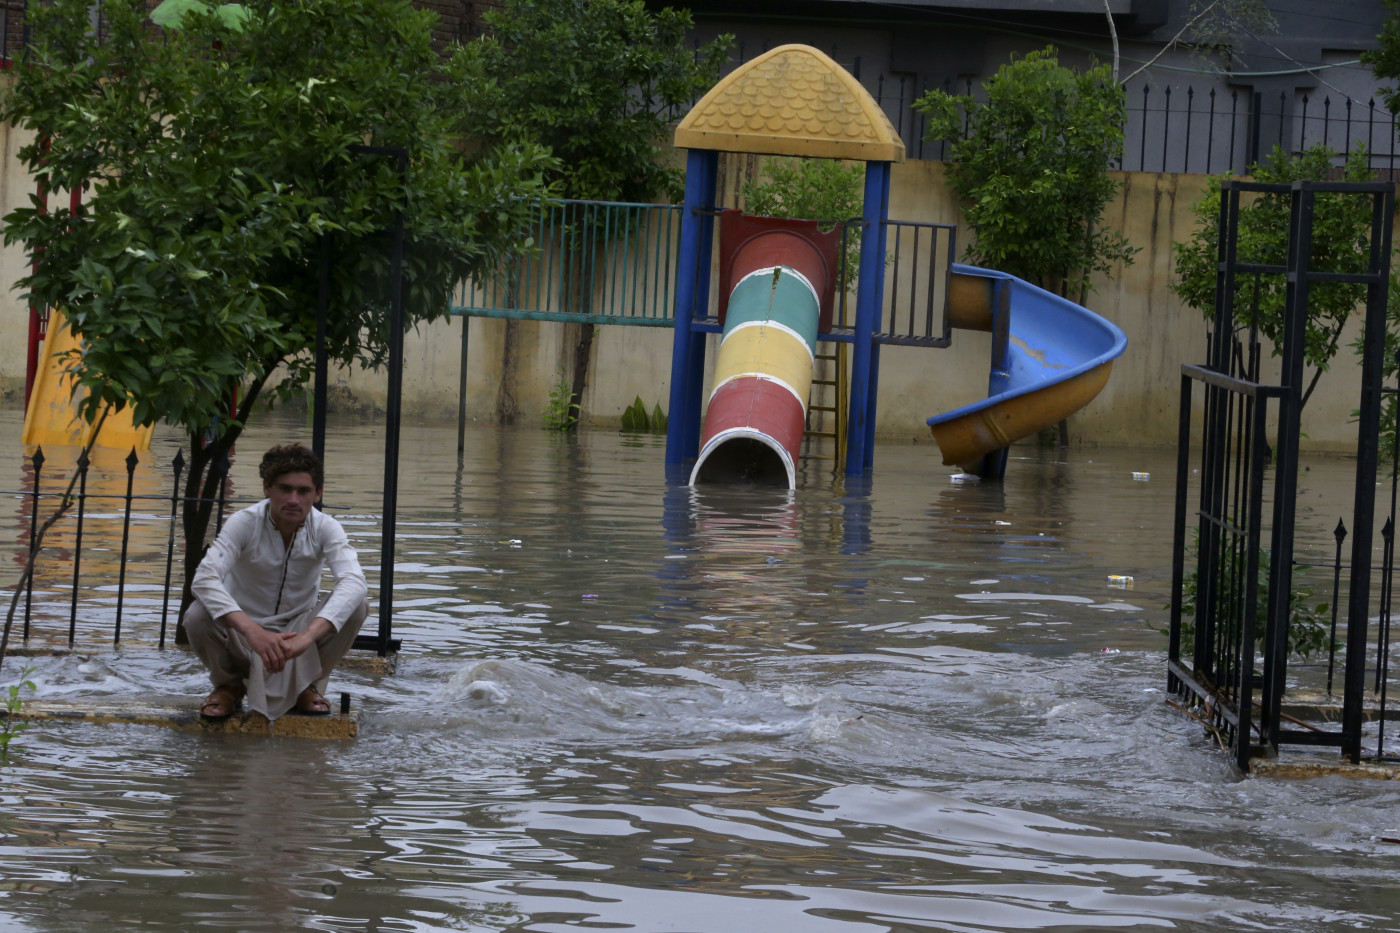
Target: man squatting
point(258, 621)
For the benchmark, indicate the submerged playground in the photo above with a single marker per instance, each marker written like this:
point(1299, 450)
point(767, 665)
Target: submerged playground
point(631, 691)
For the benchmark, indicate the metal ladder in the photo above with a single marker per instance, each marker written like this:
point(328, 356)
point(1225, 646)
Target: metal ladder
point(826, 413)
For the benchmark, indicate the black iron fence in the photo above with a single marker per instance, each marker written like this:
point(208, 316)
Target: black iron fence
point(1171, 128)
point(1209, 132)
point(1238, 617)
point(110, 570)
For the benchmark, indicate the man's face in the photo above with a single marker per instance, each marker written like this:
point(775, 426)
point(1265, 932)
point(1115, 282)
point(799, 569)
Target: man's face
point(292, 495)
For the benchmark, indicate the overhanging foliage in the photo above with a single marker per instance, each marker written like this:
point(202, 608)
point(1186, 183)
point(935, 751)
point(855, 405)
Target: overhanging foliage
point(213, 157)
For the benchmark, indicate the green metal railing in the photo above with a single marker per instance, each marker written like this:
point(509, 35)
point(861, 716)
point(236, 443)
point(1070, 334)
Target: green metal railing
point(598, 262)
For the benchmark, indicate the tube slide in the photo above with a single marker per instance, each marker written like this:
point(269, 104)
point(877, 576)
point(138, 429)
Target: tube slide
point(1050, 358)
point(783, 272)
point(51, 418)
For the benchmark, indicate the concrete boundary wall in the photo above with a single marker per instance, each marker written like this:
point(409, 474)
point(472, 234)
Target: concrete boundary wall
point(513, 364)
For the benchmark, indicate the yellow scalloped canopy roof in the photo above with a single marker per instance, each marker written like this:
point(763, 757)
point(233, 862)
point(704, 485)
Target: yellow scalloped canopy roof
point(792, 101)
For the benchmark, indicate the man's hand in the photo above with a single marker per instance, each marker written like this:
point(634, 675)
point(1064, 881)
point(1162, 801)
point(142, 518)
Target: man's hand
point(276, 648)
point(266, 645)
point(294, 643)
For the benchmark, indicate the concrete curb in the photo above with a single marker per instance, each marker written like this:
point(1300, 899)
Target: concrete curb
point(183, 713)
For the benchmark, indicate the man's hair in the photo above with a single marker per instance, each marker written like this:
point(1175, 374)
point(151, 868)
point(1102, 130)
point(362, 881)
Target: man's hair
point(291, 458)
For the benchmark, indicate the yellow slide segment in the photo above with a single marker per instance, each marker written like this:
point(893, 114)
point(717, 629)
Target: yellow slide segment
point(52, 420)
point(966, 440)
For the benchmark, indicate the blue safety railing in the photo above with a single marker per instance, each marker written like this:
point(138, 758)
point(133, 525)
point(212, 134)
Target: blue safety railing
point(592, 262)
point(605, 262)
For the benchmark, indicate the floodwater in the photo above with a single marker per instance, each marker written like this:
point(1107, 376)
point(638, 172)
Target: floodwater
point(911, 705)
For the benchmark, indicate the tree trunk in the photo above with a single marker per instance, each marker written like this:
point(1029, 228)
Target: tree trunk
point(202, 492)
point(507, 409)
point(580, 285)
point(583, 352)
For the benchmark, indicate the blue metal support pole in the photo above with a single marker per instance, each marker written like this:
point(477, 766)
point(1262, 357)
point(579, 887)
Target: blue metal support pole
point(873, 394)
point(860, 430)
point(703, 266)
point(880, 267)
point(692, 284)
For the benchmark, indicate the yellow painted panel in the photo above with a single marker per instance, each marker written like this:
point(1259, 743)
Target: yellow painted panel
point(970, 302)
point(51, 419)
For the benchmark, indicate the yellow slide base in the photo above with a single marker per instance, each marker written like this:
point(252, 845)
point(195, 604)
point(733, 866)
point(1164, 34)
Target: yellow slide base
point(966, 440)
point(51, 419)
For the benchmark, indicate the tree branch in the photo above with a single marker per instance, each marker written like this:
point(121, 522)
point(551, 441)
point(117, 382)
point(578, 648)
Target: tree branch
point(1171, 43)
point(1317, 374)
point(1113, 34)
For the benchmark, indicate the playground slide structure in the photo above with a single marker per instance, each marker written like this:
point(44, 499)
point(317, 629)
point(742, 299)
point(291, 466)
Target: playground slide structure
point(51, 419)
point(777, 279)
point(1050, 357)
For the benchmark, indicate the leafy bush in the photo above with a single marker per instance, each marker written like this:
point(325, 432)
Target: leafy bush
point(812, 189)
point(561, 414)
point(635, 419)
point(10, 728)
point(1031, 167)
point(1309, 622)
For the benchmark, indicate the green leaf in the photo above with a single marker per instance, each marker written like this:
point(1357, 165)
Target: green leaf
point(232, 15)
point(170, 14)
point(1030, 164)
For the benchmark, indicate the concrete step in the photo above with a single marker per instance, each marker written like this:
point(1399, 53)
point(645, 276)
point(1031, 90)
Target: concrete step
point(1276, 768)
point(182, 713)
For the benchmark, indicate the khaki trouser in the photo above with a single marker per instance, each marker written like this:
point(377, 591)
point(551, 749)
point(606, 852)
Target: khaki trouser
point(230, 660)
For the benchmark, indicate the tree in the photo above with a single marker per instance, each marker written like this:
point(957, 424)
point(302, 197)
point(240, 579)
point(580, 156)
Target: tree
point(1384, 60)
point(1341, 235)
point(597, 82)
point(215, 154)
point(814, 189)
point(1030, 165)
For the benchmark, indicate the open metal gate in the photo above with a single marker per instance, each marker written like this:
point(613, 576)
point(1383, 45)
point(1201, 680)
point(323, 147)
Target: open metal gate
point(1226, 657)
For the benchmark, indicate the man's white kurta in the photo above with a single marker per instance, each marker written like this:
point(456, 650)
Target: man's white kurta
point(248, 568)
point(279, 587)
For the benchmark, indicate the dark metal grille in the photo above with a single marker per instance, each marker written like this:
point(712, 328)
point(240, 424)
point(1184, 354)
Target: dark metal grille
point(1228, 658)
point(1168, 127)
